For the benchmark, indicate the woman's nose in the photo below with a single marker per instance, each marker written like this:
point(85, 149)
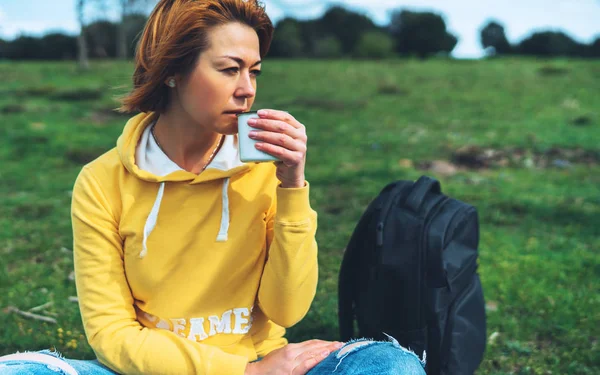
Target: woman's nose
point(245, 87)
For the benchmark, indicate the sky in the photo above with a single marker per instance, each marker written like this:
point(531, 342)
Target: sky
point(464, 18)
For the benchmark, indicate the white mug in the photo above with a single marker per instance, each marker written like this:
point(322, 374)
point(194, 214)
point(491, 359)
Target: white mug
point(246, 145)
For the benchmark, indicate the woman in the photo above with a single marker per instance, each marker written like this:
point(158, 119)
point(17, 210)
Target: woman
point(187, 260)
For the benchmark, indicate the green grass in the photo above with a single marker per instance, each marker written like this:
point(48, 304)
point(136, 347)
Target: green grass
point(540, 242)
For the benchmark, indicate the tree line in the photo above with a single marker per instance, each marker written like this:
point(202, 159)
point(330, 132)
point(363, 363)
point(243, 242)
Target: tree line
point(101, 42)
point(544, 43)
point(339, 33)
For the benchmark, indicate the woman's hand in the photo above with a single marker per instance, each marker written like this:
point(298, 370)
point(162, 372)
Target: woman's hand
point(285, 138)
point(293, 359)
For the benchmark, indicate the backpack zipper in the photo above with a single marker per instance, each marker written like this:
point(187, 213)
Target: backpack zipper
point(394, 197)
point(380, 234)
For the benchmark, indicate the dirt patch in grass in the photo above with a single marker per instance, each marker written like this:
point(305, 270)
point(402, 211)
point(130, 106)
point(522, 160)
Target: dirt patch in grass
point(83, 156)
point(24, 144)
point(36, 91)
point(437, 167)
point(29, 92)
point(475, 157)
point(388, 88)
point(325, 104)
point(78, 95)
point(13, 108)
point(478, 158)
point(584, 120)
point(32, 210)
point(550, 71)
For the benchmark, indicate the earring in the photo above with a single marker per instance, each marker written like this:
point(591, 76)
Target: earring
point(172, 83)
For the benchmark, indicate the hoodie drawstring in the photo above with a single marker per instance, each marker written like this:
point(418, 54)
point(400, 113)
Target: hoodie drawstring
point(153, 216)
point(224, 230)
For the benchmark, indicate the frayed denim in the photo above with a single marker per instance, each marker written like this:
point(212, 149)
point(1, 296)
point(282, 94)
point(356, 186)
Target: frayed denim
point(371, 357)
point(357, 357)
point(47, 362)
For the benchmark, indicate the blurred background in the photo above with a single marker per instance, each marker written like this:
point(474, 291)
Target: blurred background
point(498, 100)
point(67, 29)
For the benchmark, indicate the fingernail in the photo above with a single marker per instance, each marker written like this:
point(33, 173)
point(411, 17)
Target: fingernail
point(339, 344)
point(324, 354)
point(252, 134)
point(252, 121)
point(262, 112)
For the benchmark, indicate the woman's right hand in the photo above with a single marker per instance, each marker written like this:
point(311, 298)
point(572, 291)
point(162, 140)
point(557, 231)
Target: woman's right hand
point(293, 359)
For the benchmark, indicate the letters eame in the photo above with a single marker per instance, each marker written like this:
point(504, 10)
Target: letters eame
point(236, 321)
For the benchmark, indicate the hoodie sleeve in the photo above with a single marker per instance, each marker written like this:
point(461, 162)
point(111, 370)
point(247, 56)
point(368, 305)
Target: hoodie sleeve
point(289, 280)
point(118, 339)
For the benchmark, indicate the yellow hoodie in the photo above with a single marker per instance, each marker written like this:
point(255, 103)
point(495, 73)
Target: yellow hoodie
point(185, 273)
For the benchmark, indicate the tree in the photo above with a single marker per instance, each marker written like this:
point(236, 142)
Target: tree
point(134, 25)
point(3, 49)
point(448, 44)
point(374, 45)
point(54, 46)
point(24, 48)
point(82, 48)
point(493, 36)
point(101, 37)
point(328, 47)
point(127, 8)
point(422, 34)
point(347, 26)
point(310, 34)
point(57, 46)
point(287, 39)
point(594, 49)
point(551, 44)
point(131, 23)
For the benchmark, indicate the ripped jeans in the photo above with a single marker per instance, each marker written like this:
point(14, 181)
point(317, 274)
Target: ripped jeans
point(371, 357)
point(357, 357)
point(49, 363)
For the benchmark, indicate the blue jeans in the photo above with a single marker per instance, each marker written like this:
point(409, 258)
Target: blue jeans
point(355, 358)
point(363, 357)
point(49, 363)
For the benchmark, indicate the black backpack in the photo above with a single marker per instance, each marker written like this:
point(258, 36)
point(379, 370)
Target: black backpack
point(410, 271)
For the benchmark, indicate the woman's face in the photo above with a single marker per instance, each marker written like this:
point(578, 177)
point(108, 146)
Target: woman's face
point(223, 81)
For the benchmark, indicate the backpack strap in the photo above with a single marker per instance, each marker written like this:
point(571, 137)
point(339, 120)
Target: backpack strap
point(420, 189)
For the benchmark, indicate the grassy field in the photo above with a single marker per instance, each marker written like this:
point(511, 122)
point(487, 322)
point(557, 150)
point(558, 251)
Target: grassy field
point(519, 139)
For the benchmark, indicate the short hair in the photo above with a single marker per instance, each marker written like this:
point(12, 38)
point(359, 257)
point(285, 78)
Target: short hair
point(174, 36)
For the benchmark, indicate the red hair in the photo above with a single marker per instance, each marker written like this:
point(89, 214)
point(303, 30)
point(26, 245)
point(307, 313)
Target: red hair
point(174, 36)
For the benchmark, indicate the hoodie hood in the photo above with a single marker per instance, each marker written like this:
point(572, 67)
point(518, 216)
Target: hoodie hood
point(225, 164)
point(142, 157)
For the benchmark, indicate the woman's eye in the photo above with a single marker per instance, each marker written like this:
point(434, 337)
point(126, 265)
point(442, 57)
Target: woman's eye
point(236, 70)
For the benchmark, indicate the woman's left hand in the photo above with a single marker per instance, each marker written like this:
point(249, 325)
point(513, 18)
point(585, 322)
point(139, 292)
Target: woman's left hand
point(285, 138)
